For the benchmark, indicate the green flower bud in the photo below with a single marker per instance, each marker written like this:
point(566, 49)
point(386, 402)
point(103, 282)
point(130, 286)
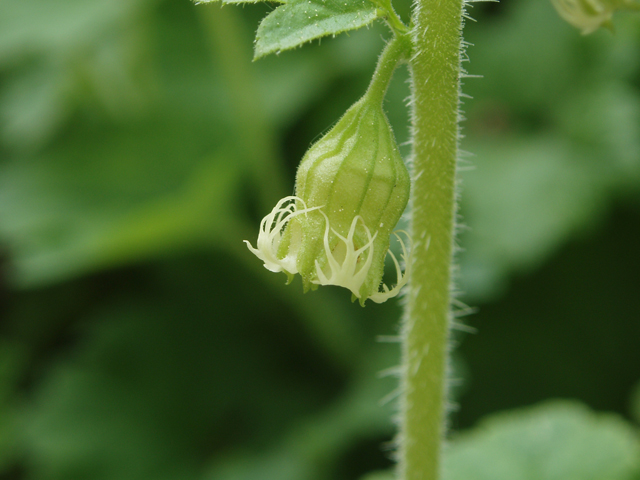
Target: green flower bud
point(351, 189)
point(587, 15)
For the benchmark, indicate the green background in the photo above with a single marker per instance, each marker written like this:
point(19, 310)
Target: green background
point(140, 339)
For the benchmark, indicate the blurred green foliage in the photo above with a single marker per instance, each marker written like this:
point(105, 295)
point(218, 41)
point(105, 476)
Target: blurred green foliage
point(559, 440)
point(140, 339)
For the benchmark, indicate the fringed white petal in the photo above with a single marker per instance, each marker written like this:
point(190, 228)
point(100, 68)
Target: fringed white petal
point(270, 236)
point(386, 294)
point(352, 271)
point(346, 266)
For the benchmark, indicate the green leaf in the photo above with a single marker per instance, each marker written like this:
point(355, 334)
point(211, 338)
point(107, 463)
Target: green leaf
point(121, 188)
point(554, 441)
point(160, 385)
point(517, 233)
point(12, 360)
point(301, 21)
point(379, 475)
point(551, 150)
point(141, 193)
point(635, 403)
point(140, 395)
point(310, 448)
point(227, 2)
point(56, 54)
point(43, 26)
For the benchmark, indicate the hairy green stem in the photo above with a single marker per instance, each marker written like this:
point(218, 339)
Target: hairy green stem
point(391, 17)
point(396, 51)
point(435, 69)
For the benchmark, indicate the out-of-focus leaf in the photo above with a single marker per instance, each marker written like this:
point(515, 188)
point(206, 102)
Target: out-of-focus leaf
point(156, 386)
point(517, 49)
point(549, 193)
point(227, 2)
point(98, 200)
point(34, 104)
point(300, 21)
point(382, 475)
point(526, 196)
point(310, 449)
point(604, 121)
point(635, 403)
point(552, 441)
point(551, 146)
point(11, 364)
point(60, 27)
point(64, 48)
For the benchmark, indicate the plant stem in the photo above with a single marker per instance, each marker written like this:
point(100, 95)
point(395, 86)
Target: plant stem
point(396, 51)
point(435, 69)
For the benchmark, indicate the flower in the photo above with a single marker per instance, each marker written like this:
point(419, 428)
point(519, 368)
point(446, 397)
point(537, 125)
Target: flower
point(587, 15)
point(270, 236)
point(345, 265)
point(351, 189)
point(348, 270)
